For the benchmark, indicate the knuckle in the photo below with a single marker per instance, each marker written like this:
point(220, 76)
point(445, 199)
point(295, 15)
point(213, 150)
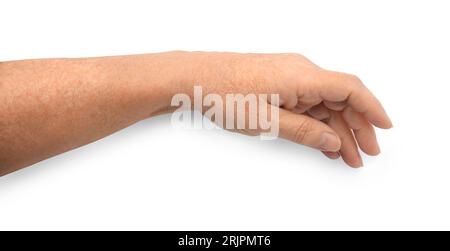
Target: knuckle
point(294, 56)
point(354, 80)
point(302, 130)
point(300, 57)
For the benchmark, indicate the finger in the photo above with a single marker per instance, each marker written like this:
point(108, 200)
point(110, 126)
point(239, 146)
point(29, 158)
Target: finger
point(335, 106)
point(337, 87)
point(299, 110)
point(349, 149)
point(305, 130)
point(363, 130)
point(305, 103)
point(332, 155)
point(319, 112)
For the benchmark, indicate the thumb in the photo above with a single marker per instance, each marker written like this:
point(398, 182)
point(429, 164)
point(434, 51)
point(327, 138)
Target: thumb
point(307, 131)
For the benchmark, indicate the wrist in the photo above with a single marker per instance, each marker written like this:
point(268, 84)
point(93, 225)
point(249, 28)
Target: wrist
point(152, 79)
point(171, 73)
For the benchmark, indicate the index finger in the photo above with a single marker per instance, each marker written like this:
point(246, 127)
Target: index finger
point(337, 87)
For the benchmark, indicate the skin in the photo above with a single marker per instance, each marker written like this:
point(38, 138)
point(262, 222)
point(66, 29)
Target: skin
point(50, 106)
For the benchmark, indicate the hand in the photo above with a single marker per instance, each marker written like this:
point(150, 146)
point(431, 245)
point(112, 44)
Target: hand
point(50, 106)
point(330, 111)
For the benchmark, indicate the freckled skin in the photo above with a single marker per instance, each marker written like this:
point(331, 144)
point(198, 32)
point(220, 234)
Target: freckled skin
point(50, 106)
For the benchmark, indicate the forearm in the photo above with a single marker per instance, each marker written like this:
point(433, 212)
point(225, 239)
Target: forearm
point(51, 106)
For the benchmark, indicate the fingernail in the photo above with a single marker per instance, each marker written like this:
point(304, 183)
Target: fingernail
point(377, 149)
point(333, 155)
point(329, 142)
point(360, 162)
point(390, 125)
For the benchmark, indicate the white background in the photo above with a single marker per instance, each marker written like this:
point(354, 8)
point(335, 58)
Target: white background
point(151, 176)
